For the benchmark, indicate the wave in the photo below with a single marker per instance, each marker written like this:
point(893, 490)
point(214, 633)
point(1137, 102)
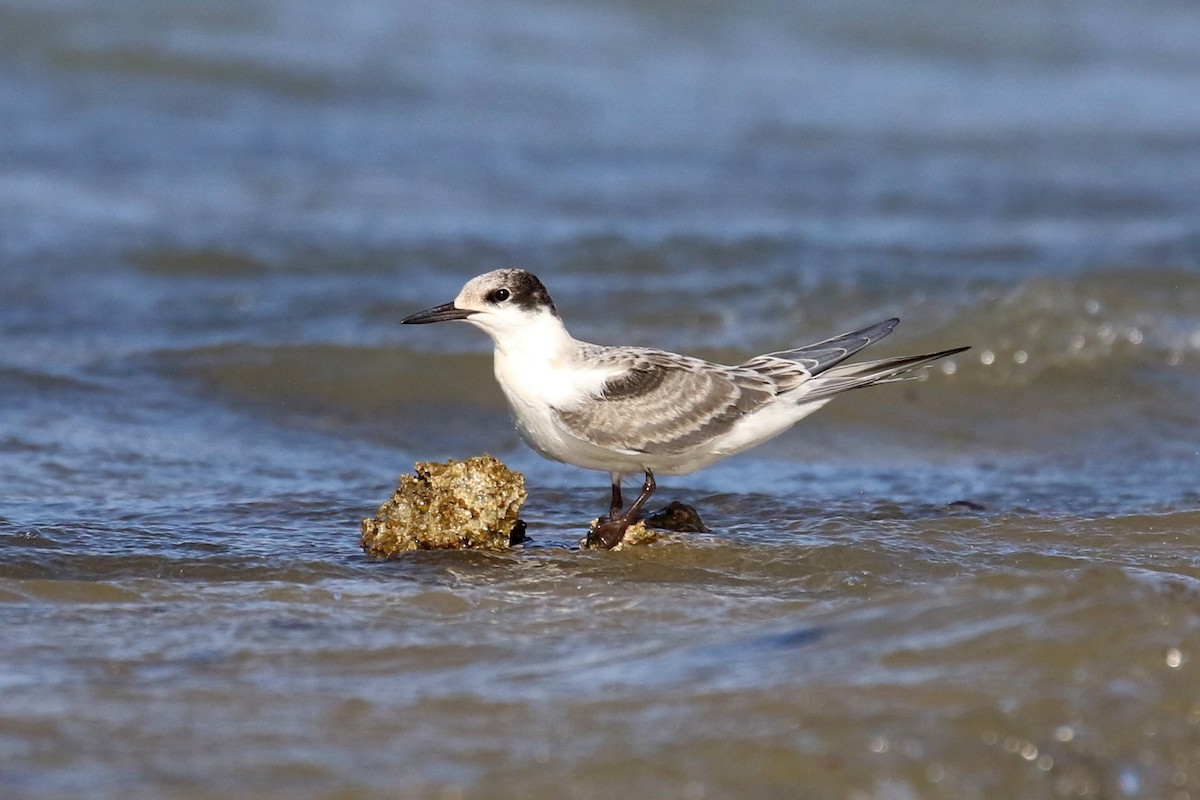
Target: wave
point(1110, 326)
point(1104, 325)
point(368, 379)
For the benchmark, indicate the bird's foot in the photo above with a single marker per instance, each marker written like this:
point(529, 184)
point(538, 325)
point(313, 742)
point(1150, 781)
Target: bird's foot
point(607, 532)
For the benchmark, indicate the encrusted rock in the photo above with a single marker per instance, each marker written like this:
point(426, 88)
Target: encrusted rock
point(678, 517)
point(635, 535)
point(471, 504)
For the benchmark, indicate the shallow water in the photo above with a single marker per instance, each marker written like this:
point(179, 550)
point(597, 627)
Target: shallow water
point(982, 584)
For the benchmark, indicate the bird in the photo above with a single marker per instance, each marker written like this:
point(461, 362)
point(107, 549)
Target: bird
point(627, 410)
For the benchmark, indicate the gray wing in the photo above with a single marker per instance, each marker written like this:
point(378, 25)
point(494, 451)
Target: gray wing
point(790, 368)
point(661, 403)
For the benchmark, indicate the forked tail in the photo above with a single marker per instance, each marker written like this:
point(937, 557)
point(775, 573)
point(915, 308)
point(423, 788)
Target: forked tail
point(843, 378)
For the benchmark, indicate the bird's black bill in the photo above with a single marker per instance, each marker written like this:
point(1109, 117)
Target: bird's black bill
point(440, 313)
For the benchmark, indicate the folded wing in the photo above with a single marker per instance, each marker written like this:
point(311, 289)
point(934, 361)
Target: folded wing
point(661, 403)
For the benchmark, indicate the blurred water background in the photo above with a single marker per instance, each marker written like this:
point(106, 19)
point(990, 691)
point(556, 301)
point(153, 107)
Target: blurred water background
point(212, 217)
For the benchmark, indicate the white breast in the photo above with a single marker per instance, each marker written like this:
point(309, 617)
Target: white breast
point(537, 384)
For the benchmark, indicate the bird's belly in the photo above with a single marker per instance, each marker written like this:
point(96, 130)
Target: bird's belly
point(540, 429)
point(533, 390)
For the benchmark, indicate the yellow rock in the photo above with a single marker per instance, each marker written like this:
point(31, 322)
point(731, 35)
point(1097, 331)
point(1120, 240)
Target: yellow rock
point(471, 504)
point(635, 535)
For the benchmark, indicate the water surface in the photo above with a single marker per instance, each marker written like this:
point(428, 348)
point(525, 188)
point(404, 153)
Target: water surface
point(983, 584)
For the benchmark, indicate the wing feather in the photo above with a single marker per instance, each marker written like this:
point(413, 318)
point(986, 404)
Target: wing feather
point(813, 359)
point(661, 403)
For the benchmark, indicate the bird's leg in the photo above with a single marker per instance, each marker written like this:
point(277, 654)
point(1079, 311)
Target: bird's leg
point(617, 504)
point(648, 487)
point(607, 533)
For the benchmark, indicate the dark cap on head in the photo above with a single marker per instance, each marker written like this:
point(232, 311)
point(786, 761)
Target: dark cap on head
point(526, 290)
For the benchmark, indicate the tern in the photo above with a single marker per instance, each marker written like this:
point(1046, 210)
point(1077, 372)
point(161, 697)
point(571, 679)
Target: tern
point(629, 410)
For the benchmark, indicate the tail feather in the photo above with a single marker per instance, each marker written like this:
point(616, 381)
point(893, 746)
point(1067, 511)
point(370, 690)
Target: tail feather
point(866, 373)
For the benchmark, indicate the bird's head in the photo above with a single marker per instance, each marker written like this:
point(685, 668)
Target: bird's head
point(503, 303)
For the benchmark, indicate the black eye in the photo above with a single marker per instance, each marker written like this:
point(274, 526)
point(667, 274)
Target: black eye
point(500, 295)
